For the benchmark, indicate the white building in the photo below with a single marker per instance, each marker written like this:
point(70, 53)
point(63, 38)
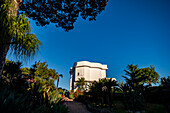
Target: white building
point(88, 70)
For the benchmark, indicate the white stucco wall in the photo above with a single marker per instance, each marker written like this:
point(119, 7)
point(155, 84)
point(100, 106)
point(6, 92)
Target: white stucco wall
point(95, 74)
point(89, 70)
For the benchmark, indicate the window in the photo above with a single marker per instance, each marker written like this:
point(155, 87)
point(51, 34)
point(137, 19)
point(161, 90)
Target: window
point(78, 74)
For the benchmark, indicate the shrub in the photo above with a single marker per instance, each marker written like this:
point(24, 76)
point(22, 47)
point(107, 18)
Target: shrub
point(53, 108)
point(71, 96)
point(11, 102)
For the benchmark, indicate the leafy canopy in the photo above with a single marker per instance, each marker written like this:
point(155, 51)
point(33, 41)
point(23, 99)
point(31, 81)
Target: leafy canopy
point(12, 69)
point(62, 12)
point(144, 75)
point(153, 76)
point(80, 82)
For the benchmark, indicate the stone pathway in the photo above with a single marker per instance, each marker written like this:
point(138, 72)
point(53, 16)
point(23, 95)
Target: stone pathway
point(75, 107)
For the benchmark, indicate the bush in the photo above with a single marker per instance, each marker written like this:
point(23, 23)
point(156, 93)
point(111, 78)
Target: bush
point(54, 108)
point(78, 93)
point(71, 96)
point(59, 108)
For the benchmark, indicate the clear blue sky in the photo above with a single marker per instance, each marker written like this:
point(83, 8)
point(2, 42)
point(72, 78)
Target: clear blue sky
point(128, 31)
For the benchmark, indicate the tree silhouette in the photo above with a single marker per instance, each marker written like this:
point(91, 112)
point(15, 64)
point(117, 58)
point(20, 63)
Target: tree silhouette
point(61, 12)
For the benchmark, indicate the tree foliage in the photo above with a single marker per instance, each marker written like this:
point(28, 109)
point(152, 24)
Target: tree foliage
point(153, 76)
point(42, 70)
point(16, 32)
point(33, 94)
point(25, 70)
point(165, 81)
point(134, 88)
point(80, 83)
point(12, 68)
point(62, 12)
point(134, 76)
point(103, 89)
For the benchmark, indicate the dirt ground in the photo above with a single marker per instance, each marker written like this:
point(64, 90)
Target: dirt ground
point(75, 107)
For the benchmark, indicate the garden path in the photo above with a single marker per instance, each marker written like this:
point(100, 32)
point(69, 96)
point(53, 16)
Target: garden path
point(75, 107)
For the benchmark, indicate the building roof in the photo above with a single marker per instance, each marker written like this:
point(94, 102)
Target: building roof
point(89, 64)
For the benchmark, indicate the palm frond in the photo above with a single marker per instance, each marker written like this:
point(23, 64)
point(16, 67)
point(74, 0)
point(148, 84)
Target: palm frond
point(16, 32)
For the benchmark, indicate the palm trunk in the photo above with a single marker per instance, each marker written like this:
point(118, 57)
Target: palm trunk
point(57, 82)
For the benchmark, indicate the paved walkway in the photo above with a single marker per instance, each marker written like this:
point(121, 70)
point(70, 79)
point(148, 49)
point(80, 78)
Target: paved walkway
point(75, 107)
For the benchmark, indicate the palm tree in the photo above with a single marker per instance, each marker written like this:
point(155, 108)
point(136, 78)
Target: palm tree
point(96, 88)
point(15, 34)
point(110, 83)
point(106, 89)
point(80, 83)
point(59, 75)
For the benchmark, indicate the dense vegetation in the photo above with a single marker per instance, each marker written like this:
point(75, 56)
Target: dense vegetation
point(136, 94)
point(30, 90)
